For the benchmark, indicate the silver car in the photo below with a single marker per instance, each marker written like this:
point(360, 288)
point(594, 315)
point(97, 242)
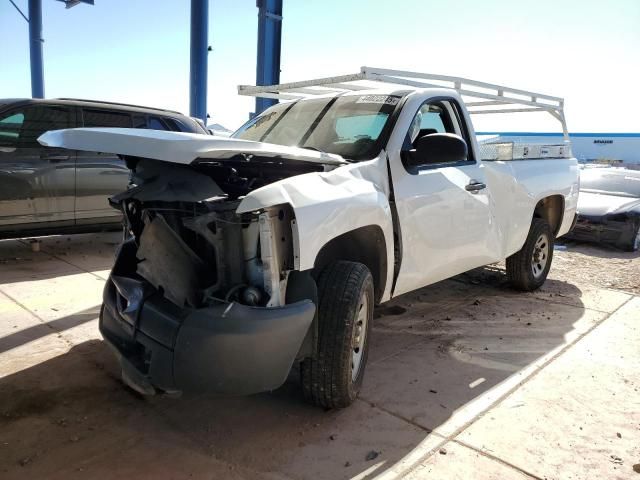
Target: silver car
point(47, 190)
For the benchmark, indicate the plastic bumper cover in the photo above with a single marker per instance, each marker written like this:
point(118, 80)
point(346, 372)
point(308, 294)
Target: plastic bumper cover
point(226, 349)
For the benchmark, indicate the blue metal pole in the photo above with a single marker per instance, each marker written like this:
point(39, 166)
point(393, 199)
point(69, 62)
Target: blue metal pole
point(35, 48)
point(199, 53)
point(269, 46)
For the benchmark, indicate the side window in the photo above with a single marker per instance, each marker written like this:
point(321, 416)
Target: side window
point(431, 118)
point(10, 126)
point(105, 118)
point(441, 116)
point(460, 127)
point(177, 126)
point(156, 123)
point(39, 119)
point(139, 121)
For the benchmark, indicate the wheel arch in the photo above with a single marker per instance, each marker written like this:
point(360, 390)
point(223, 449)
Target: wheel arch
point(365, 245)
point(551, 209)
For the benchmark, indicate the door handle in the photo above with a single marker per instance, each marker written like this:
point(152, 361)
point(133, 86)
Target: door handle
point(475, 187)
point(54, 158)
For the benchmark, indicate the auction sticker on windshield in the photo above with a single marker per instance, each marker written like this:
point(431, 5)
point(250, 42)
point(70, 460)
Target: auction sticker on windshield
point(379, 99)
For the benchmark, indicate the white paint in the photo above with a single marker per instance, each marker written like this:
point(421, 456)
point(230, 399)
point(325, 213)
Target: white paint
point(477, 382)
point(445, 230)
point(175, 147)
point(329, 204)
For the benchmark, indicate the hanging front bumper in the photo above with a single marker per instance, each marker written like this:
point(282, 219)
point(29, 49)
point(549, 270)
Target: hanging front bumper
point(229, 348)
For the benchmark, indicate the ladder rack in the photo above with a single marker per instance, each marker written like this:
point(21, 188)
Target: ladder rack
point(480, 97)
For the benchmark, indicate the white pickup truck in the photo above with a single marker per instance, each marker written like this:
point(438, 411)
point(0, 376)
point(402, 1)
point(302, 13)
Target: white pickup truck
point(245, 255)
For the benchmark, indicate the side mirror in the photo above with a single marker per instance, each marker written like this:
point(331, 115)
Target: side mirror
point(437, 148)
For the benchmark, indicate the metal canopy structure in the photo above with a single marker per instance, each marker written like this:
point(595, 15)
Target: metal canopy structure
point(269, 47)
point(35, 41)
point(268, 55)
point(35, 48)
point(199, 59)
point(479, 97)
point(73, 3)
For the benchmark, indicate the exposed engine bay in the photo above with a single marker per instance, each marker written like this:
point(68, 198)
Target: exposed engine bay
point(192, 247)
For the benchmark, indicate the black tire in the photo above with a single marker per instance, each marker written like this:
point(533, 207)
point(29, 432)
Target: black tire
point(521, 271)
point(634, 244)
point(343, 290)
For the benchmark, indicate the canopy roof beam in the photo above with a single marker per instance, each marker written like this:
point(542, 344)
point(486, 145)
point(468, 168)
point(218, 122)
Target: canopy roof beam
point(477, 95)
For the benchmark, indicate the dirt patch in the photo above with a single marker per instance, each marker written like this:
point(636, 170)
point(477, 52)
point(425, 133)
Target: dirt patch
point(598, 265)
point(575, 263)
point(26, 402)
point(438, 349)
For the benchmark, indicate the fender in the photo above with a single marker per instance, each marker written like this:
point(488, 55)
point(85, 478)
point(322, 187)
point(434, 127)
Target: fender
point(517, 187)
point(329, 204)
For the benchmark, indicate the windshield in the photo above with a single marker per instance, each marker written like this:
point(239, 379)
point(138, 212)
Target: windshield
point(350, 126)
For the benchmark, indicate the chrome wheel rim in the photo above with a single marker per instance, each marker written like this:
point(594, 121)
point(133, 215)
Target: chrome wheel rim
point(636, 242)
point(540, 256)
point(359, 336)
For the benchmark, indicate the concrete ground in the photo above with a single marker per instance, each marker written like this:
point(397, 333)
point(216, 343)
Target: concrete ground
point(466, 380)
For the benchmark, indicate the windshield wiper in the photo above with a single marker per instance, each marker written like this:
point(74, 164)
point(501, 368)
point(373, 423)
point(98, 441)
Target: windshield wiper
point(322, 151)
point(306, 147)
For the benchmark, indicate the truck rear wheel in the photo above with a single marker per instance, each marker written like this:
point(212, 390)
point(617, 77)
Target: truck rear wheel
point(332, 379)
point(527, 269)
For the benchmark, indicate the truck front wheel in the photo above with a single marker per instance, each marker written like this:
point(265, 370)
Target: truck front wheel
point(333, 377)
point(528, 268)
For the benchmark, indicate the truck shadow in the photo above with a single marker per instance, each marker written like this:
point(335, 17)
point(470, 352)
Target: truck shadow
point(57, 256)
point(434, 353)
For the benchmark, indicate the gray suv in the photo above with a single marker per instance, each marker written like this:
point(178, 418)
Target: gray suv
point(49, 190)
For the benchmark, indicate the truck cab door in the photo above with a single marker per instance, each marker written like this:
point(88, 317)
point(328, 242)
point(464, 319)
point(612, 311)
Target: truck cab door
point(444, 209)
point(37, 183)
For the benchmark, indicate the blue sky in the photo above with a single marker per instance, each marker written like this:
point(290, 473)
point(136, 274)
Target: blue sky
point(137, 51)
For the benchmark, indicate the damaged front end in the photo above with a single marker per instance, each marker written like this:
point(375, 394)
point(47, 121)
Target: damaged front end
point(200, 297)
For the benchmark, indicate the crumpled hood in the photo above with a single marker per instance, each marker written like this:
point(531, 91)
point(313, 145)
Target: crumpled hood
point(600, 204)
point(175, 147)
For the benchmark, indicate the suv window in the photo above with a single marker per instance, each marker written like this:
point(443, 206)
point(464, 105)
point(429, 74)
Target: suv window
point(105, 118)
point(156, 124)
point(10, 126)
point(159, 123)
point(178, 126)
point(23, 127)
point(139, 121)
